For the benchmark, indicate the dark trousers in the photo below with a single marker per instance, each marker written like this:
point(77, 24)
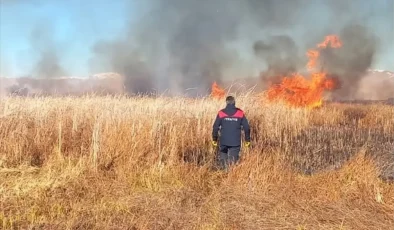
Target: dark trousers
point(228, 155)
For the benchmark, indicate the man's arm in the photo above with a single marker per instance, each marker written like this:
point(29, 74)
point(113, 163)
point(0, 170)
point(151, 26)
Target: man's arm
point(215, 128)
point(246, 127)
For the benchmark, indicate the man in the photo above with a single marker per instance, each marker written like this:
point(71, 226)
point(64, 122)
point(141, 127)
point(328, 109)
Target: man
point(230, 120)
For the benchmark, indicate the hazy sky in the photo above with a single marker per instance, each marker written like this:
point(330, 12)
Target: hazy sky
point(73, 27)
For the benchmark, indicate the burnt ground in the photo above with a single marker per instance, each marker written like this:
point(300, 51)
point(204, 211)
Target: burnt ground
point(320, 148)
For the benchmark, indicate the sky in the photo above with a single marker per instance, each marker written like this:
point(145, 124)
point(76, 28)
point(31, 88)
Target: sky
point(73, 24)
point(74, 27)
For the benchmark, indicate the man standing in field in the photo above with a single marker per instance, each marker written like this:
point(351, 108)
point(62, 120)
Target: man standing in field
point(230, 121)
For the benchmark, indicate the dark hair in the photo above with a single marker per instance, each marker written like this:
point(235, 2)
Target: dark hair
point(230, 100)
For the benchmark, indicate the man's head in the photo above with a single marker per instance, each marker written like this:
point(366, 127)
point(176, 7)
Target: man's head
point(230, 100)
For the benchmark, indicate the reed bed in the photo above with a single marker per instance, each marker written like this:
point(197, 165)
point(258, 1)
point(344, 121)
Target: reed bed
point(115, 162)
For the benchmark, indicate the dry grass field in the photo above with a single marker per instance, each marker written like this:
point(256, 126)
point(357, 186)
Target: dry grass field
point(147, 163)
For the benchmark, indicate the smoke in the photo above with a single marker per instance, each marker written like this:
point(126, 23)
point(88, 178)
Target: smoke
point(42, 44)
point(376, 85)
point(181, 44)
point(197, 45)
point(48, 65)
point(350, 62)
point(123, 58)
point(281, 55)
point(191, 39)
point(185, 45)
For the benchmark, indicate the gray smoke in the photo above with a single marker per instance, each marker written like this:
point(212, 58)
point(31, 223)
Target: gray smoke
point(182, 44)
point(192, 37)
point(349, 63)
point(47, 67)
point(280, 53)
point(43, 45)
point(185, 45)
point(123, 58)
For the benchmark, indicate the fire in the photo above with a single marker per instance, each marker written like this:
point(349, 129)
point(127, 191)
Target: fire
point(330, 39)
point(298, 91)
point(217, 92)
point(313, 55)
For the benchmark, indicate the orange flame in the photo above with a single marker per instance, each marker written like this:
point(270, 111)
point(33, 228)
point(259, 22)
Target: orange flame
point(298, 91)
point(217, 92)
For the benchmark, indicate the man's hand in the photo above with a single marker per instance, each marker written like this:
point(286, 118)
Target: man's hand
point(215, 143)
point(247, 144)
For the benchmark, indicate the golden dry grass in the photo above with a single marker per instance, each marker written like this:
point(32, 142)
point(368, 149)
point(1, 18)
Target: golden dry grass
point(146, 163)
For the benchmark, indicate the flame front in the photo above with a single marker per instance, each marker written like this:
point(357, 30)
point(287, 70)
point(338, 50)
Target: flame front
point(217, 92)
point(298, 91)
